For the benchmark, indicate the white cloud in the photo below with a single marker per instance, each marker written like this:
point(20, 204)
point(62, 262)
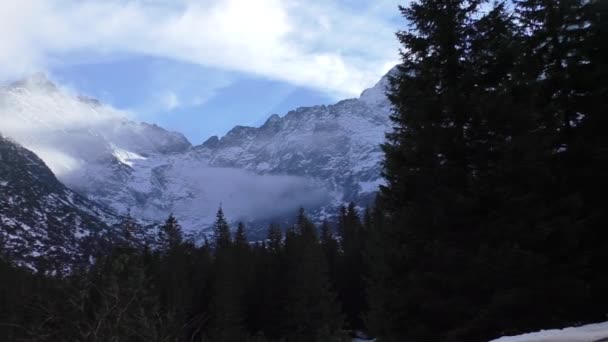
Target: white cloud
point(170, 101)
point(62, 129)
point(250, 195)
point(311, 43)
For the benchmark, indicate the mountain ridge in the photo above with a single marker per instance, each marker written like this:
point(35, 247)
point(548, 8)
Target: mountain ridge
point(41, 220)
point(317, 157)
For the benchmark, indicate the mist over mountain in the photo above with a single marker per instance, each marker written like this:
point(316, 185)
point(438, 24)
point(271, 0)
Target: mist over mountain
point(316, 157)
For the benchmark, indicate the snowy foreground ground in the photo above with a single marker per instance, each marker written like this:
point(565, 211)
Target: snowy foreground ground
point(586, 333)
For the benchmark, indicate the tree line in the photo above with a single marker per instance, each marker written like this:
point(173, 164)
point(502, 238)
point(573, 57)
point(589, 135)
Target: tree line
point(492, 220)
point(288, 287)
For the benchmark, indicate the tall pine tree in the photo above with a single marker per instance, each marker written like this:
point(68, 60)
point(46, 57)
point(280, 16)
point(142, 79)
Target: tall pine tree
point(428, 176)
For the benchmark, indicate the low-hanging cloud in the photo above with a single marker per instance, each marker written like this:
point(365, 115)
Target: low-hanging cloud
point(64, 130)
point(313, 43)
point(243, 195)
point(82, 142)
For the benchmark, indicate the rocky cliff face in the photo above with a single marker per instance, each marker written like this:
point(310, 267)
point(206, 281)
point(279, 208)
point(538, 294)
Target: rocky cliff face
point(42, 220)
point(338, 145)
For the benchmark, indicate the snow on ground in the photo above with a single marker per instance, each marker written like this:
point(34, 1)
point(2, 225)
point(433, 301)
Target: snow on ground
point(587, 333)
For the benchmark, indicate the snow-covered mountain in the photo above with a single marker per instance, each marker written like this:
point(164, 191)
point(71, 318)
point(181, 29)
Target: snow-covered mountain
point(316, 157)
point(338, 144)
point(41, 219)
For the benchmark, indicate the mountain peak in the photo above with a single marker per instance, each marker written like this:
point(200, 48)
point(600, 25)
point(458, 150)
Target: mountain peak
point(238, 131)
point(212, 142)
point(377, 94)
point(272, 119)
point(37, 80)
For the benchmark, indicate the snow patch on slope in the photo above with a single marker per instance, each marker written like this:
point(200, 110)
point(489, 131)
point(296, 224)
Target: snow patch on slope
point(586, 333)
point(368, 187)
point(124, 156)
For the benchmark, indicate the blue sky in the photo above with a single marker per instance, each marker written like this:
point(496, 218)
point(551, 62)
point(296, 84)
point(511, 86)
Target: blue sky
point(202, 66)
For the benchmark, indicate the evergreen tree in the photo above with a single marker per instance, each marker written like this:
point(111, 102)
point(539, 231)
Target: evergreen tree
point(333, 257)
point(350, 270)
point(330, 248)
point(172, 269)
point(201, 281)
point(243, 267)
point(269, 304)
point(312, 313)
point(592, 148)
point(240, 239)
point(509, 168)
point(128, 228)
point(432, 167)
point(221, 231)
point(341, 221)
point(483, 176)
point(170, 234)
point(563, 51)
point(119, 303)
point(226, 311)
point(367, 220)
point(305, 228)
point(274, 239)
